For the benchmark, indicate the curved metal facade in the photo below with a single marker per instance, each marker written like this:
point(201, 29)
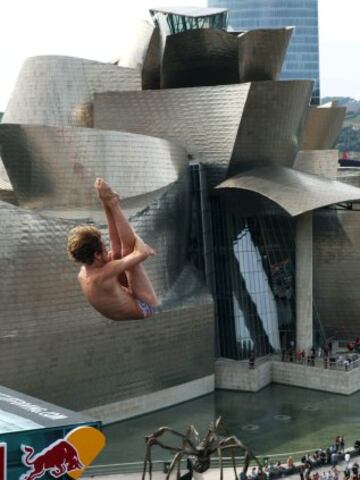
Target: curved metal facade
point(318, 162)
point(336, 272)
point(71, 120)
point(294, 191)
point(55, 346)
point(322, 127)
point(57, 91)
point(261, 53)
point(206, 57)
point(202, 57)
point(271, 127)
point(52, 161)
point(144, 53)
point(54, 167)
point(188, 116)
point(302, 59)
point(152, 61)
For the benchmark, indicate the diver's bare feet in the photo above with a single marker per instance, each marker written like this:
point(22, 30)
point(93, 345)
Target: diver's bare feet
point(143, 247)
point(105, 192)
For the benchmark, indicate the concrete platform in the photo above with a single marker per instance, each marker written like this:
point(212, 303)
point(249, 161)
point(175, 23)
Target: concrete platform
point(236, 375)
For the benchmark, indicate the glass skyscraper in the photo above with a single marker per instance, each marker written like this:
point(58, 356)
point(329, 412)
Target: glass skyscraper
point(302, 60)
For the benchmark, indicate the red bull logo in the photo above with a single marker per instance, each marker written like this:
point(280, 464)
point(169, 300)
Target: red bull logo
point(70, 455)
point(57, 459)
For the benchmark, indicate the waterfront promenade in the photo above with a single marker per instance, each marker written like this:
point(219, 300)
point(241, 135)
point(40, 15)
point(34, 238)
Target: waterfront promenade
point(214, 474)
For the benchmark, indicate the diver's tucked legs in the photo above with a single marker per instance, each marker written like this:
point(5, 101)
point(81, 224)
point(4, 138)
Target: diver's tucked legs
point(118, 220)
point(137, 279)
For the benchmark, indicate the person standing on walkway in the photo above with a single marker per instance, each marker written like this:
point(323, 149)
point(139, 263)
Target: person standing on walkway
point(342, 444)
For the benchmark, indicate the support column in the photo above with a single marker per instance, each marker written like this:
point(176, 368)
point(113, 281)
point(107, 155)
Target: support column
point(304, 282)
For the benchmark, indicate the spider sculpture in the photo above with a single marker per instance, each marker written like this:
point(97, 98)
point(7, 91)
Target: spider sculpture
point(198, 451)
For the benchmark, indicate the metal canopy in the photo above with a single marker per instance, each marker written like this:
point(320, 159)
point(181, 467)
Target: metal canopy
point(294, 191)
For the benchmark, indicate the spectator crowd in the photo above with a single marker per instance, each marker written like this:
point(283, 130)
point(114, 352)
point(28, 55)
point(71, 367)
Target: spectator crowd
point(328, 458)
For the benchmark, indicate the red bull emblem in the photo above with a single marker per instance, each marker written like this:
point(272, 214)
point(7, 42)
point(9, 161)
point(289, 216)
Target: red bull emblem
point(57, 459)
point(70, 455)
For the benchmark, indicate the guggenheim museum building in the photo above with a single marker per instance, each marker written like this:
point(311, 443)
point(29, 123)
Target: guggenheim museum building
point(225, 170)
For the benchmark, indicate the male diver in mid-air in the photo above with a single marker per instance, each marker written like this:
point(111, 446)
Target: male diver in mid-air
point(114, 282)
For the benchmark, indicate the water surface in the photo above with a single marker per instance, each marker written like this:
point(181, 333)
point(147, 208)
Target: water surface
point(276, 420)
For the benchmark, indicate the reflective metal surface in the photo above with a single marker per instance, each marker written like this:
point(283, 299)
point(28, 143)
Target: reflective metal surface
point(57, 91)
point(294, 191)
point(55, 168)
point(86, 360)
point(55, 346)
point(302, 59)
point(71, 120)
point(336, 271)
point(151, 66)
point(271, 127)
point(322, 127)
point(144, 53)
point(349, 175)
point(205, 57)
point(205, 120)
point(200, 57)
point(261, 53)
point(138, 38)
point(53, 326)
point(318, 162)
point(6, 190)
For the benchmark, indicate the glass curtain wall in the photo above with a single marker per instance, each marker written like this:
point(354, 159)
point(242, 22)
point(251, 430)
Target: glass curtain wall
point(182, 23)
point(254, 282)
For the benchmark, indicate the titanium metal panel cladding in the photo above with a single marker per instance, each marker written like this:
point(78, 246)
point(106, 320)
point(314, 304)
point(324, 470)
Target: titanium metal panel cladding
point(271, 127)
point(322, 127)
point(206, 57)
point(86, 360)
point(144, 52)
point(57, 91)
point(151, 65)
point(318, 162)
point(55, 167)
point(202, 57)
point(188, 116)
point(261, 53)
point(294, 191)
point(53, 170)
point(336, 258)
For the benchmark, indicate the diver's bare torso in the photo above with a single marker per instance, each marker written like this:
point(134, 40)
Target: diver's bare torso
point(108, 296)
point(115, 283)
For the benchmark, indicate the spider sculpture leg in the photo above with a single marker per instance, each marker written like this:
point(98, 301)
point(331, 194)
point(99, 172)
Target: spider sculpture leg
point(147, 460)
point(173, 464)
point(219, 424)
point(221, 463)
point(151, 441)
point(178, 472)
point(234, 442)
point(186, 438)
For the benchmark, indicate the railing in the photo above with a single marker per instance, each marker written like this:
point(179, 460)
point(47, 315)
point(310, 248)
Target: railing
point(246, 363)
point(162, 465)
point(340, 363)
point(331, 363)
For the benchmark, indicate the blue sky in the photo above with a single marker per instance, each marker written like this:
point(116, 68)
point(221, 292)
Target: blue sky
point(99, 31)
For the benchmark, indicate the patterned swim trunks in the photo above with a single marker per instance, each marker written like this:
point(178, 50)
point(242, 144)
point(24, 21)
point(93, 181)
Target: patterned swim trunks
point(147, 310)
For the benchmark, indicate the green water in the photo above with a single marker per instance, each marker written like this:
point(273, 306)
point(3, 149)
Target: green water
point(276, 420)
